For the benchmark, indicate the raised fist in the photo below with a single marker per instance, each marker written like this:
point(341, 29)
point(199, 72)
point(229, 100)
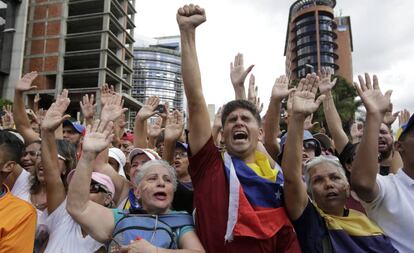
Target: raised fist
point(190, 16)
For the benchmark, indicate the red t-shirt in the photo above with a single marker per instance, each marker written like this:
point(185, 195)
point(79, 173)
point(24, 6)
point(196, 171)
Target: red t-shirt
point(211, 196)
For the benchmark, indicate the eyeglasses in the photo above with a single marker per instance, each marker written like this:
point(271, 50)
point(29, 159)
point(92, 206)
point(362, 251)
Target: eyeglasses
point(181, 154)
point(96, 188)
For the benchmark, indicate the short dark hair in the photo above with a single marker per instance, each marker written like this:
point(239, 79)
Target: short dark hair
point(12, 145)
point(237, 104)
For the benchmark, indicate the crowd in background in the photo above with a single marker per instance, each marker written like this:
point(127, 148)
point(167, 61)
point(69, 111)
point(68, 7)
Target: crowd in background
point(242, 184)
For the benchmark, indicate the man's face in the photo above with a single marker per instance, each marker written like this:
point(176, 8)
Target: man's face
point(29, 156)
point(329, 188)
point(125, 147)
point(156, 190)
point(71, 135)
point(385, 140)
point(181, 162)
point(241, 132)
point(136, 164)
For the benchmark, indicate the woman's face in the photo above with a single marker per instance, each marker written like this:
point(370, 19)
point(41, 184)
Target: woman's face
point(39, 169)
point(156, 190)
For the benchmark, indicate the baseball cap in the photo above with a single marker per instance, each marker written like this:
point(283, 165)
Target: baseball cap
point(99, 178)
point(119, 156)
point(128, 137)
point(404, 128)
point(180, 144)
point(79, 128)
point(324, 140)
point(307, 136)
point(151, 154)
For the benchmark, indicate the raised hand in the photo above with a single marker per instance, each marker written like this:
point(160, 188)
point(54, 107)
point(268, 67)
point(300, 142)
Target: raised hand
point(357, 130)
point(389, 117)
point(149, 109)
point(303, 100)
point(113, 109)
point(238, 75)
point(252, 94)
point(403, 118)
point(174, 126)
point(55, 114)
point(40, 115)
point(25, 83)
point(36, 98)
point(87, 106)
point(325, 83)
point(217, 118)
point(371, 95)
point(106, 94)
point(308, 123)
point(155, 129)
point(190, 16)
point(281, 88)
point(97, 137)
point(7, 118)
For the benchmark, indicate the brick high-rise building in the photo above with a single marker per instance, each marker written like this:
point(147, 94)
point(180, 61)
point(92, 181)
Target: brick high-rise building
point(316, 39)
point(79, 46)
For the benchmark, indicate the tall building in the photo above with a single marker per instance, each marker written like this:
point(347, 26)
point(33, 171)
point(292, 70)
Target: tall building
point(316, 39)
point(79, 46)
point(13, 17)
point(157, 72)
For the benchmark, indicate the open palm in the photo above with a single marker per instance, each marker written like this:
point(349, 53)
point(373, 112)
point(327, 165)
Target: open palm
point(24, 84)
point(97, 137)
point(371, 95)
point(280, 89)
point(175, 126)
point(54, 115)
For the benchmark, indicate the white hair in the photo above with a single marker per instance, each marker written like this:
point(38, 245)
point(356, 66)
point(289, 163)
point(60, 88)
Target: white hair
point(156, 163)
point(322, 159)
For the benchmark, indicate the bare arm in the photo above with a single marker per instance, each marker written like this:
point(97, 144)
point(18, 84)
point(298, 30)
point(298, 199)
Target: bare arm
point(331, 114)
point(140, 127)
point(188, 18)
point(95, 219)
point(271, 126)
point(365, 165)
point(19, 110)
point(296, 197)
point(55, 189)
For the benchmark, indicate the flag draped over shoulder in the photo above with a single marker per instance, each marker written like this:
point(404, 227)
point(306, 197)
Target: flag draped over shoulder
point(356, 233)
point(255, 199)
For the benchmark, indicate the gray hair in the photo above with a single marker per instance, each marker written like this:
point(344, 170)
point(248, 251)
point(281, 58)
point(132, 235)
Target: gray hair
point(318, 160)
point(156, 163)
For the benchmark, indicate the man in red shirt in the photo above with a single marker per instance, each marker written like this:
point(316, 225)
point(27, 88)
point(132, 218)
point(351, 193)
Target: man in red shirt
point(234, 211)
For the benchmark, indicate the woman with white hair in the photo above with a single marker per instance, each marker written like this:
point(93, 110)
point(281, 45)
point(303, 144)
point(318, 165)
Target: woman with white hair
point(321, 221)
point(153, 227)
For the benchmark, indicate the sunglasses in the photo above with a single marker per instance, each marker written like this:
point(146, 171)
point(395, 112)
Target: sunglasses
point(96, 188)
point(309, 145)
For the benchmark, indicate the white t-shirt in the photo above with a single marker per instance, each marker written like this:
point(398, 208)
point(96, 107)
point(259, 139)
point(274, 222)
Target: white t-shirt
point(21, 187)
point(66, 235)
point(393, 209)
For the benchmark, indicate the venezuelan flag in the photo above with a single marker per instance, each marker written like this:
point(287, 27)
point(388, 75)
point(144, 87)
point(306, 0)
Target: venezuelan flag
point(356, 233)
point(256, 205)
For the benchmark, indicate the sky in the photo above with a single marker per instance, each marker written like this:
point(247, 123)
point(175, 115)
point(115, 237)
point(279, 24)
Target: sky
point(383, 39)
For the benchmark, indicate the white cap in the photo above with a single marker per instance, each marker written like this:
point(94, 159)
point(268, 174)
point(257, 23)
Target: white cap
point(119, 156)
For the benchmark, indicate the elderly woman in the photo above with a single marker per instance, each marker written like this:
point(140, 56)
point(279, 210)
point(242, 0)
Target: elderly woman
point(321, 221)
point(155, 185)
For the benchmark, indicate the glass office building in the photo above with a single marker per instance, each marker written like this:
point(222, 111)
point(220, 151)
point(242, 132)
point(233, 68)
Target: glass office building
point(157, 72)
point(312, 40)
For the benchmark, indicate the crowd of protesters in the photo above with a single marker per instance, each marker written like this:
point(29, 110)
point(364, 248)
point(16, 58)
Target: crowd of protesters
point(238, 185)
